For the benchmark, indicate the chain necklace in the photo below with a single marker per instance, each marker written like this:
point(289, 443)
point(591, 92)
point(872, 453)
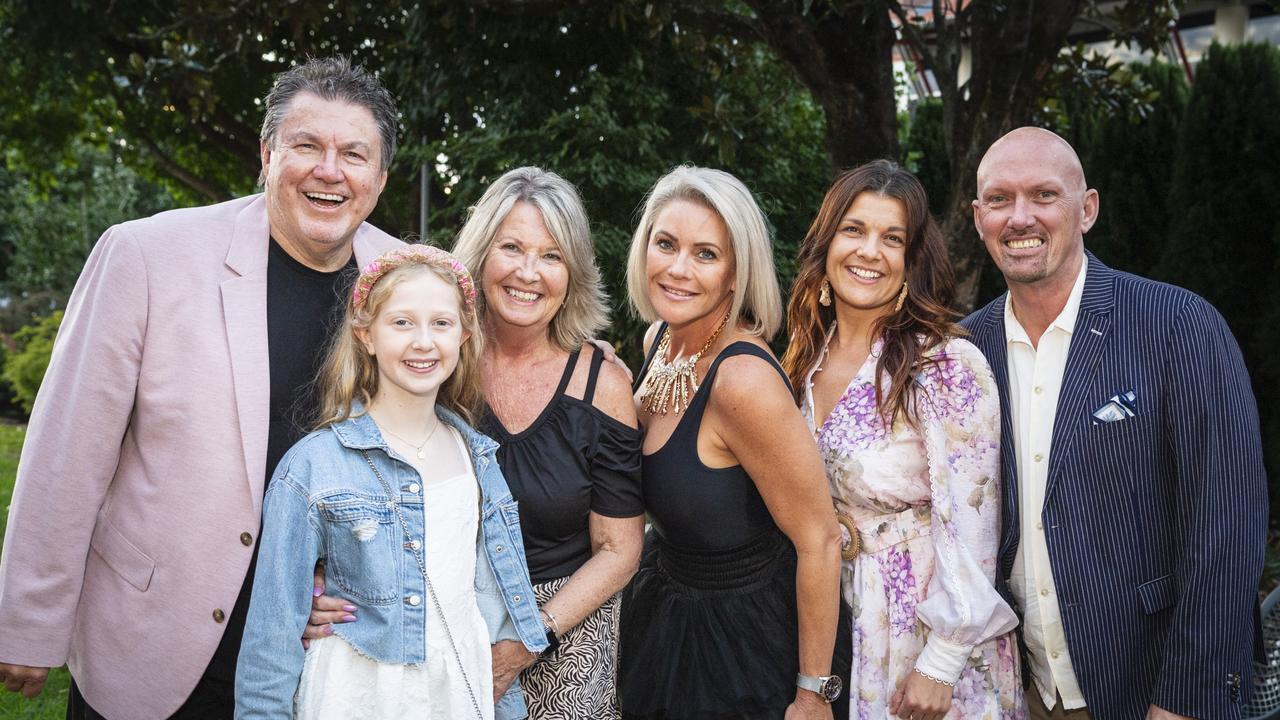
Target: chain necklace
point(431, 590)
point(670, 383)
point(419, 450)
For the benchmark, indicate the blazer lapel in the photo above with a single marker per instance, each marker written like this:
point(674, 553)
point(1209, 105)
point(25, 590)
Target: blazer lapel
point(989, 337)
point(1088, 340)
point(244, 306)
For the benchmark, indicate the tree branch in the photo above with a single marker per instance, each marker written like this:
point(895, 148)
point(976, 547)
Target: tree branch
point(912, 36)
point(180, 174)
point(717, 22)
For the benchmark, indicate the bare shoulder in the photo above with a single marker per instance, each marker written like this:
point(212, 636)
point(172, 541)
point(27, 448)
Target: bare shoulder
point(749, 384)
point(613, 394)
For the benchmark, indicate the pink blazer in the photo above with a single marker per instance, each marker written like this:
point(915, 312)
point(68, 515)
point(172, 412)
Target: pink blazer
point(139, 491)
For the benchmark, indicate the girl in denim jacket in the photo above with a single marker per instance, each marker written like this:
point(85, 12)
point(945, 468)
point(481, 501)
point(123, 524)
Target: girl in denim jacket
point(404, 504)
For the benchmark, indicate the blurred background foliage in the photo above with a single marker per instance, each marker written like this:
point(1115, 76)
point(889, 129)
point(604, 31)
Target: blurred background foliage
point(110, 111)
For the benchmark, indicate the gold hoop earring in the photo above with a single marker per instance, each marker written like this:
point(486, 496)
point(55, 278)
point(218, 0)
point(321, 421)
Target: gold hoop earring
point(902, 298)
point(824, 295)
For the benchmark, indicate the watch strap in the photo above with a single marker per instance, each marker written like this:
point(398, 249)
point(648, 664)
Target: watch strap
point(810, 683)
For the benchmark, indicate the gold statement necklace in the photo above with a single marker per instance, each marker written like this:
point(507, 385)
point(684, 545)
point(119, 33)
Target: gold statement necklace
point(670, 383)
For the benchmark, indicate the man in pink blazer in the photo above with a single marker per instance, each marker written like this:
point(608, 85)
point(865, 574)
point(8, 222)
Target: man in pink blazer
point(178, 378)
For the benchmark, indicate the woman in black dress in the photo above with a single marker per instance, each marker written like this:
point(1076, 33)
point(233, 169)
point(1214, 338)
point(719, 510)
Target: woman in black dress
point(568, 442)
point(733, 612)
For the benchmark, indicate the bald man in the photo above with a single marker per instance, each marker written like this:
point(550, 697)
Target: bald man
point(1135, 500)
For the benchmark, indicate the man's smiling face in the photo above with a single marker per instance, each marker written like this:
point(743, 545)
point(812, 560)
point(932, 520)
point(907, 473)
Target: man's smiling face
point(323, 174)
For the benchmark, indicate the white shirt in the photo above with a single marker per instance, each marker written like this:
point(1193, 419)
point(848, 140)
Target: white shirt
point(1035, 380)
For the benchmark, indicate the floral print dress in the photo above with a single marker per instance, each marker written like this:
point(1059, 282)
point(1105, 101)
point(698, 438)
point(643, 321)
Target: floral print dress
point(926, 504)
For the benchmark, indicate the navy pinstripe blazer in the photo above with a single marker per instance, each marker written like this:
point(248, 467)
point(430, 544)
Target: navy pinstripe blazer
point(1156, 523)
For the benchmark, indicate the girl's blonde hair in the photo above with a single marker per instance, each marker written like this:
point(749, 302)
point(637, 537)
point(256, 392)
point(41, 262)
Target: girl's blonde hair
point(349, 374)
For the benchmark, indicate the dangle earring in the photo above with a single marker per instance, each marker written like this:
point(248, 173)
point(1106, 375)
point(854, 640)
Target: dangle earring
point(902, 298)
point(824, 295)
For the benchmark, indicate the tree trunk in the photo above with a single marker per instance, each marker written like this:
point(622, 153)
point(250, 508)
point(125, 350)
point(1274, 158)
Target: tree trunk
point(844, 56)
point(1014, 45)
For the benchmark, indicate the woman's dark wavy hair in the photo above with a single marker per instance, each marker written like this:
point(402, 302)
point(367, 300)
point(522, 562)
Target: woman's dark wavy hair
point(926, 319)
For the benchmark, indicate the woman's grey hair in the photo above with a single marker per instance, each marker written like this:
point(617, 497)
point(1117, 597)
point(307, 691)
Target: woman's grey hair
point(758, 299)
point(334, 78)
point(584, 313)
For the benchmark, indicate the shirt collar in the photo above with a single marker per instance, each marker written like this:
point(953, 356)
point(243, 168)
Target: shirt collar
point(1066, 320)
point(360, 432)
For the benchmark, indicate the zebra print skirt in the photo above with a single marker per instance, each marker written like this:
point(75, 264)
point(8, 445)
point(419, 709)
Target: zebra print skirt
point(579, 681)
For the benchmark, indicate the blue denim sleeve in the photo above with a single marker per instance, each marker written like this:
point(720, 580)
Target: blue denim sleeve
point(271, 653)
point(511, 705)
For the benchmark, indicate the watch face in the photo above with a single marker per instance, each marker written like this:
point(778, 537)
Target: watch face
point(831, 688)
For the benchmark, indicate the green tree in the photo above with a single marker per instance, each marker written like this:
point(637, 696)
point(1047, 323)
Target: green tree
point(615, 106)
point(180, 81)
point(50, 221)
point(926, 154)
point(24, 367)
point(1224, 239)
point(1130, 159)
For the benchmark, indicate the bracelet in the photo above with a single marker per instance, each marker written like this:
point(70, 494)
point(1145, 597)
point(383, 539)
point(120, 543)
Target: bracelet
point(940, 681)
point(551, 618)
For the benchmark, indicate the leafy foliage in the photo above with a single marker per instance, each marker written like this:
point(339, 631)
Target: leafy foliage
point(24, 367)
point(1224, 236)
point(50, 221)
point(926, 153)
point(1129, 158)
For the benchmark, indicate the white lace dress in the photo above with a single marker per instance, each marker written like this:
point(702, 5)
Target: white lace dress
point(338, 683)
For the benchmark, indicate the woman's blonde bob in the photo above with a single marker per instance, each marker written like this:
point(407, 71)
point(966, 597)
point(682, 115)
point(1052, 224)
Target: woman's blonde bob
point(584, 313)
point(757, 303)
point(350, 374)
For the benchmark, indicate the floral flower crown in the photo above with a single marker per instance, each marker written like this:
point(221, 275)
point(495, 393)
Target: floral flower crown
point(413, 255)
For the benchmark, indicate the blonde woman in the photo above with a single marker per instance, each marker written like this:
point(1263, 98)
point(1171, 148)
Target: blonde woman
point(733, 612)
point(569, 445)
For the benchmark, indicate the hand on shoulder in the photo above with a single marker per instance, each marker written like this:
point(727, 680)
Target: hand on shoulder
point(613, 394)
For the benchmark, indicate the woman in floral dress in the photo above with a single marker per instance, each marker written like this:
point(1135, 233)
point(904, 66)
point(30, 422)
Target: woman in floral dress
point(907, 419)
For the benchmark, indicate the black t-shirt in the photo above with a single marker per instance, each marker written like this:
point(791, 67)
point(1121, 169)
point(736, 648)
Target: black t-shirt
point(304, 308)
point(573, 460)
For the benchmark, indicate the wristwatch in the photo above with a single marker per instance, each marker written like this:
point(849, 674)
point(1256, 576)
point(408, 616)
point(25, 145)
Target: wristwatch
point(828, 687)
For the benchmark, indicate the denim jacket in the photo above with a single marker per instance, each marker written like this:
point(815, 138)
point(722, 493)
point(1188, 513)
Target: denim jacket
point(320, 504)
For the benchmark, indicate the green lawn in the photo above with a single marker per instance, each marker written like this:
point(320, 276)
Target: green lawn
point(52, 703)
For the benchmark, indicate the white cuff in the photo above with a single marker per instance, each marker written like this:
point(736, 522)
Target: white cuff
point(942, 659)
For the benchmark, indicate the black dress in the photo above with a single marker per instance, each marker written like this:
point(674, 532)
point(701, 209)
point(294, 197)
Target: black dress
point(573, 460)
point(709, 623)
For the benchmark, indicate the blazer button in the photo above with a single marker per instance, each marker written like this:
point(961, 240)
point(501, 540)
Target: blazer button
point(246, 539)
point(219, 616)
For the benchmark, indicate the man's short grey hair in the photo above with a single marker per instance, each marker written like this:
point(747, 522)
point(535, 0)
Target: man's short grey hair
point(334, 78)
point(758, 299)
point(585, 310)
